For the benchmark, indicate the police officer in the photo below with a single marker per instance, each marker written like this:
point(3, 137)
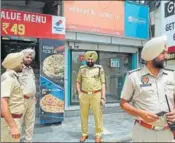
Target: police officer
point(27, 80)
point(147, 88)
point(12, 100)
point(91, 91)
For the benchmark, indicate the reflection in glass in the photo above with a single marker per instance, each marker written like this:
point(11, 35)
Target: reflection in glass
point(115, 65)
point(77, 61)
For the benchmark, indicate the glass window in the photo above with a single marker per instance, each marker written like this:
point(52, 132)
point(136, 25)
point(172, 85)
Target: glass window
point(77, 61)
point(115, 65)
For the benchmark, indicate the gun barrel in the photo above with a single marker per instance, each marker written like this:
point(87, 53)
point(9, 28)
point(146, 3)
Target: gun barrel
point(167, 103)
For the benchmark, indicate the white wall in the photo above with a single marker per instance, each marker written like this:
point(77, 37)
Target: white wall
point(157, 18)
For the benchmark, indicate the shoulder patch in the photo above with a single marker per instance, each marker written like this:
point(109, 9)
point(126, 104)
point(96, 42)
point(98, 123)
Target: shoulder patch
point(134, 70)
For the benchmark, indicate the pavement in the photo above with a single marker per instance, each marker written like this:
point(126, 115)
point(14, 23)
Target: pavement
point(117, 128)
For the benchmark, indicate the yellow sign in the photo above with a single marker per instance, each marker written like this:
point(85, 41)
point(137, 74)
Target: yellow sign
point(16, 29)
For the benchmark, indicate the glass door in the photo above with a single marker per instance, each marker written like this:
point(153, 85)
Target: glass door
point(77, 61)
point(115, 65)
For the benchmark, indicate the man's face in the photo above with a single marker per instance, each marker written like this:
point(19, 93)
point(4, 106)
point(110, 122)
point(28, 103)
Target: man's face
point(90, 62)
point(159, 62)
point(28, 59)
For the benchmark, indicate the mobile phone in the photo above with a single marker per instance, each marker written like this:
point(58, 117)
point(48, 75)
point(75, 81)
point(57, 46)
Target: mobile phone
point(161, 113)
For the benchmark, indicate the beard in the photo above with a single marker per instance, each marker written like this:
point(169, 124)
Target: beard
point(159, 64)
point(27, 64)
point(90, 64)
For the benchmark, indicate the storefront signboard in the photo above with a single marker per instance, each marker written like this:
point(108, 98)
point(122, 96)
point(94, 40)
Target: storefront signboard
point(136, 21)
point(116, 18)
point(51, 33)
point(168, 21)
point(105, 17)
point(28, 24)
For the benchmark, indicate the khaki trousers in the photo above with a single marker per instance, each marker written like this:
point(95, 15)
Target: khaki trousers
point(29, 119)
point(142, 134)
point(5, 130)
point(93, 101)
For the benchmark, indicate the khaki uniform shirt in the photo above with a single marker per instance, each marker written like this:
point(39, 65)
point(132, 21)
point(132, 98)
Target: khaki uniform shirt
point(91, 79)
point(148, 92)
point(27, 80)
point(11, 88)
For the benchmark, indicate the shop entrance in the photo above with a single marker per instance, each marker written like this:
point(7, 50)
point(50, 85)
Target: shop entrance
point(116, 66)
point(49, 47)
point(11, 45)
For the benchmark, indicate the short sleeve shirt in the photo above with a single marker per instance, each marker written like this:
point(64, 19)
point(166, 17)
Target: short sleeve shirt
point(11, 89)
point(148, 92)
point(27, 80)
point(91, 79)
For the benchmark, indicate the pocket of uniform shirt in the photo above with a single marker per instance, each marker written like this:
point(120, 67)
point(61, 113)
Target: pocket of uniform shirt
point(84, 76)
point(147, 90)
point(170, 91)
point(96, 76)
point(18, 89)
point(170, 87)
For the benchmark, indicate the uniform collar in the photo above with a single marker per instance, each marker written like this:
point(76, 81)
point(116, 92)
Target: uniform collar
point(13, 73)
point(27, 67)
point(164, 71)
point(95, 65)
point(145, 71)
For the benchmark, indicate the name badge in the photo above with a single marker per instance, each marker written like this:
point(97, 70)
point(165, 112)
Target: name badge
point(145, 85)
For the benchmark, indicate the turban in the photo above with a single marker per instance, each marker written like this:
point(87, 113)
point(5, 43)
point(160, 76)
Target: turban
point(12, 60)
point(91, 54)
point(153, 48)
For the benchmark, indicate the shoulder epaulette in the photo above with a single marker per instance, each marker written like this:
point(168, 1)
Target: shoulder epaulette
point(169, 70)
point(134, 70)
point(98, 66)
point(5, 76)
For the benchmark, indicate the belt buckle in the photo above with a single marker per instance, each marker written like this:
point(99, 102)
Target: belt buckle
point(89, 92)
point(158, 128)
